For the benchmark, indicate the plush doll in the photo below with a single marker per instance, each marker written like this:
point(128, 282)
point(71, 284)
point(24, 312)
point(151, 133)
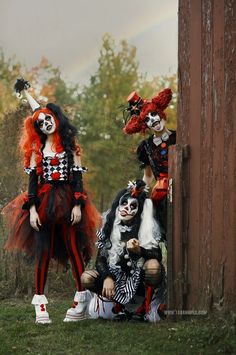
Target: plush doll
point(55, 218)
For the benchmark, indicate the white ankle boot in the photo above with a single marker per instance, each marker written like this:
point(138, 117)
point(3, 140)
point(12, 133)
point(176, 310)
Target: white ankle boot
point(79, 310)
point(42, 316)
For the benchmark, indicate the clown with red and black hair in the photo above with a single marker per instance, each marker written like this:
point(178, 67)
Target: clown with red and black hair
point(152, 152)
point(55, 218)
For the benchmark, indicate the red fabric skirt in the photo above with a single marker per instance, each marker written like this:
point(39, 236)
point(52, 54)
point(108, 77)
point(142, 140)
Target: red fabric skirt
point(22, 236)
point(159, 191)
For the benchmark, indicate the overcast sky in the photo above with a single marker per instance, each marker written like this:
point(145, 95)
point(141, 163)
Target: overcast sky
point(69, 32)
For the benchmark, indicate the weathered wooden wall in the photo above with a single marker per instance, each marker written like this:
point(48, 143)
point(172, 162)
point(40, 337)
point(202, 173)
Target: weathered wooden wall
point(203, 244)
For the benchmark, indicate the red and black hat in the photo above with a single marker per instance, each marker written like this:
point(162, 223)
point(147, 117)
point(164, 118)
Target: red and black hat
point(139, 108)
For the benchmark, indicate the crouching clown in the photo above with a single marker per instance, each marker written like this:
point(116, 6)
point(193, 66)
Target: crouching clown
point(128, 259)
point(55, 219)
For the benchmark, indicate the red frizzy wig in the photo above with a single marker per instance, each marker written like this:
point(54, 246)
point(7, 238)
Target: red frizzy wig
point(158, 104)
point(64, 137)
point(32, 141)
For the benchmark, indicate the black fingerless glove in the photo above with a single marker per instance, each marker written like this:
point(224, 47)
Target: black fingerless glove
point(79, 197)
point(154, 253)
point(32, 191)
point(102, 267)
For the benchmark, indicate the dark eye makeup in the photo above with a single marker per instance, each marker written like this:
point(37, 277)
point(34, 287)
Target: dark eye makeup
point(133, 206)
point(40, 123)
point(124, 202)
point(153, 114)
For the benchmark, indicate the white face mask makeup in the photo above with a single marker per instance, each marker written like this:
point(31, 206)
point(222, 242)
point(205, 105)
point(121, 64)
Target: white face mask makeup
point(128, 208)
point(46, 123)
point(154, 122)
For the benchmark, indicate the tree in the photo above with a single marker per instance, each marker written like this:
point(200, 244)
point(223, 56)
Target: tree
point(108, 152)
point(9, 70)
point(47, 85)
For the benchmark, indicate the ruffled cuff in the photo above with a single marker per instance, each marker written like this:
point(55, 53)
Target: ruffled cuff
point(79, 199)
point(32, 200)
point(82, 169)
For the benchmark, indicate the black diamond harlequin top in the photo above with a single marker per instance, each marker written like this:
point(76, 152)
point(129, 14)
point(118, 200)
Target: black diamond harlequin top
point(56, 170)
point(55, 165)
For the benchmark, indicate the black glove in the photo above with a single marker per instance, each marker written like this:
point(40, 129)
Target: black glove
point(77, 185)
point(32, 191)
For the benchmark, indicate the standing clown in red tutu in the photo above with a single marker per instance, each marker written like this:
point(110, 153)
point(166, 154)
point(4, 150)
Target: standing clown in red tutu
point(152, 152)
point(55, 219)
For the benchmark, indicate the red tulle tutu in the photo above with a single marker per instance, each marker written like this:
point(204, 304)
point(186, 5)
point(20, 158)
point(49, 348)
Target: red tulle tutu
point(22, 235)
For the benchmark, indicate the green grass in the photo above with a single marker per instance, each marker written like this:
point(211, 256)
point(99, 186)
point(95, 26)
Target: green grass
point(196, 335)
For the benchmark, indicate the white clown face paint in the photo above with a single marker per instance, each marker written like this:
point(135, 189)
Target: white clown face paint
point(154, 122)
point(46, 123)
point(128, 208)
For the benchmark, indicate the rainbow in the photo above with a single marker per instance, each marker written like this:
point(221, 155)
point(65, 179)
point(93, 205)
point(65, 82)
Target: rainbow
point(84, 66)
